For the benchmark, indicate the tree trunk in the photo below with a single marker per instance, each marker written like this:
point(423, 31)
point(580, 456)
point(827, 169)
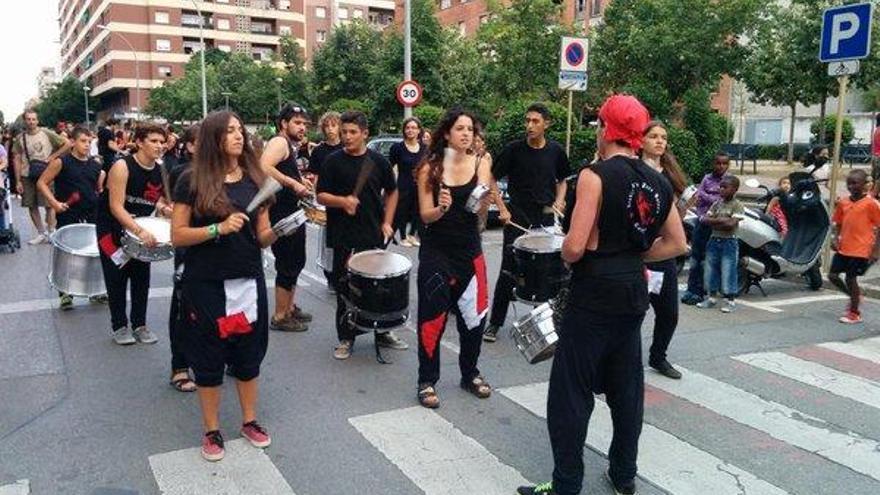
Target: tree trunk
point(791, 135)
point(822, 119)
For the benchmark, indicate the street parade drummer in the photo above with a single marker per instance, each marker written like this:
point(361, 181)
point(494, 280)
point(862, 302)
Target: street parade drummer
point(623, 217)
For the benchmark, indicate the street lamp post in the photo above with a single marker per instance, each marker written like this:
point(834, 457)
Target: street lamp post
point(202, 55)
point(279, 81)
point(407, 50)
point(137, 65)
point(226, 95)
point(86, 90)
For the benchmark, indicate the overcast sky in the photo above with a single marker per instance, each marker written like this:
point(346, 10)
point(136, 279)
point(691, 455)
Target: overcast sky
point(30, 32)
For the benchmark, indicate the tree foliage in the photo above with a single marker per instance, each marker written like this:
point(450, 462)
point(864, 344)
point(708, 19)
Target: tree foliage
point(64, 102)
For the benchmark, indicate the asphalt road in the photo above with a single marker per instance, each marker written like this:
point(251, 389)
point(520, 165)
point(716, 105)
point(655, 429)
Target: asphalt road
point(776, 398)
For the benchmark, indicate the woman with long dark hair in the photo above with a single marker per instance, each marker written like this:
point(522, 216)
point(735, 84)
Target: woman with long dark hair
point(405, 157)
point(655, 152)
point(223, 286)
point(452, 269)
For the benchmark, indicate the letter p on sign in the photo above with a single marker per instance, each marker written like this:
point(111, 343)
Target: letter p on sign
point(846, 32)
point(843, 27)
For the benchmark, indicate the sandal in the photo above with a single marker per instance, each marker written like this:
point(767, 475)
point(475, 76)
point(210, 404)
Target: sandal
point(478, 386)
point(428, 397)
point(184, 384)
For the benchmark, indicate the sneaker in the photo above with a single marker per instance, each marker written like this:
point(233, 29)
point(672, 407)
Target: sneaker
point(41, 238)
point(626, 488)
point(66, 302)
point(256, 434)
point(343, 350)
point(145, 336)
point(405, 242)
point(729, 307)
point(666, 369)
point(212, 446)
point(99, 299)
point(287, 324)
point(415, 241)
point(542, 489)
point(300, 315)
point(490, 334)
point(391, 341)
point(851, 318)
point(707, 303)
point(123, 336)
point(690, 299)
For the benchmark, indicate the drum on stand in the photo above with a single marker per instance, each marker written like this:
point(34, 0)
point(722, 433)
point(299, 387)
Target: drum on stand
point(378, 283)
point(540, 271)
point(76, 265)
point(133, 246)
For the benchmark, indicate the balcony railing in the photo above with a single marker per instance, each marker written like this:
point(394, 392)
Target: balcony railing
point(194, 20)
point(262, 28)
point(262, 4)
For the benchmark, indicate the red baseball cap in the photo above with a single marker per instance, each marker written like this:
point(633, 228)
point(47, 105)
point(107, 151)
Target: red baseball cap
point(624, 118)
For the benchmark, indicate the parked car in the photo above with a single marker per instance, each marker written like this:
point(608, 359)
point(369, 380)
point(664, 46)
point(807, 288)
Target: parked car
point(382, 144)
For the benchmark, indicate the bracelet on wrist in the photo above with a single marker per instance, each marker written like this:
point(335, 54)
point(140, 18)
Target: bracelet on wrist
point(213, 231)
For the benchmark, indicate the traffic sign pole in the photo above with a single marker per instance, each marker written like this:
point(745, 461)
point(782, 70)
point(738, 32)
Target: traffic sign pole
point(568, 128)
point(835, 163)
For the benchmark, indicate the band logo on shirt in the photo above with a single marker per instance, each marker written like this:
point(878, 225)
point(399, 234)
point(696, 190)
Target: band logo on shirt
point(643, 204)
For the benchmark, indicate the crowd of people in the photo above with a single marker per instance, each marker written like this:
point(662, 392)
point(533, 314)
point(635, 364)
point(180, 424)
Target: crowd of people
point(623, 230)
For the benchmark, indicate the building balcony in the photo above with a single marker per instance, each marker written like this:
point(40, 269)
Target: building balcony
point(262, 4)
point(194, 20)
point(260, 28)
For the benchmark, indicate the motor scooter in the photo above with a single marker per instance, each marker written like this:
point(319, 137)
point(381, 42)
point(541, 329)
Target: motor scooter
point(764, 253)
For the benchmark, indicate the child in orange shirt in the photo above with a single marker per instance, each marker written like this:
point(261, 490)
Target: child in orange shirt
point(855, 220)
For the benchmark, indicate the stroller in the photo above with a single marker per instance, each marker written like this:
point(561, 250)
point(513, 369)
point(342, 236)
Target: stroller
point(9, 238)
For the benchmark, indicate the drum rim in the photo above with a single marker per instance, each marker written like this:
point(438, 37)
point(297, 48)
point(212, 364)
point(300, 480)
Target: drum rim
point(150, 220)
point(56, 241)
point(378, 277)
point(541, 233)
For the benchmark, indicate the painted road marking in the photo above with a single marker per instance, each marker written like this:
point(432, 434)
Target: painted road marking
point(668, 462)
point(775, 306)
point(867, 349)
point(781, 422)
point(20, 487)
point(437, 457)
point(831, 380)
point(244, 471)
point(762, 306)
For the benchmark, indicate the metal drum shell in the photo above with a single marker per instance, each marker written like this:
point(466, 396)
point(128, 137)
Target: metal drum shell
point(325, 254)
point(540, 271)
point(133, 246)
point(76, 265)
point(535, 334)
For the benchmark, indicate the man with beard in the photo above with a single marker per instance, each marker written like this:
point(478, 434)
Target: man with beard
point(279, 160)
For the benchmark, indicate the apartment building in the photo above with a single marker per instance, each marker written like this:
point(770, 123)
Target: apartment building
point(122, 49)
point(468, 15)
point(322, 16)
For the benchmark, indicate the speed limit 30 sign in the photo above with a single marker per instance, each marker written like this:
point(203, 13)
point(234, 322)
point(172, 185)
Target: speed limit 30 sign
point(409, 93)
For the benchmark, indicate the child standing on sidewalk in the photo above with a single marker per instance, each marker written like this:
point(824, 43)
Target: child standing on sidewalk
point(722, 250)
point(854, 239)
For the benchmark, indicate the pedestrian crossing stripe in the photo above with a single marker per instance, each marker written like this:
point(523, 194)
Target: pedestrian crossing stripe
point(436, 456)
point(20, 487)
point(867, 349)
point(664, 460)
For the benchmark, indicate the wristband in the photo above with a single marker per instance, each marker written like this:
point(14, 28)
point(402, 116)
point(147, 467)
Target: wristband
point(213, 231)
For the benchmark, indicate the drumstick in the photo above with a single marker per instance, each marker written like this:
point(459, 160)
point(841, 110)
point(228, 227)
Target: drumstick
point(518, 226)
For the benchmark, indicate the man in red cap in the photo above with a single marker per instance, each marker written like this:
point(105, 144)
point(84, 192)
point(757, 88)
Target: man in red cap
point(622, 217)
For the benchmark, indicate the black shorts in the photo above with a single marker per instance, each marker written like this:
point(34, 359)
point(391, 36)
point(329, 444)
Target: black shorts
point(290, 258)
point(851, 266)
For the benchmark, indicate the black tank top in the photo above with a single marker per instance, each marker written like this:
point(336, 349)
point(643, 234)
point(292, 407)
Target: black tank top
point(142, 191)
point(76, 183)
point(457, 228)
point(286, 201)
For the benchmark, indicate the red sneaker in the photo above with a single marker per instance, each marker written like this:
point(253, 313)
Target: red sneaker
point(256, 434)
point(851, 318)
point(212, 446)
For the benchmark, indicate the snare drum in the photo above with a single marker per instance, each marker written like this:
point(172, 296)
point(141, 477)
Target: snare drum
point(161, 230)
point(535, 334)
point(378, 283)
point(540, 271)
point(317, 214)
point(687, 198)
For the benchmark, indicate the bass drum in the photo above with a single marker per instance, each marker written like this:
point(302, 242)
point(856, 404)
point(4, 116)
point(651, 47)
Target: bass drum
point(76, 266)
point(540, 271)
point(378, 283)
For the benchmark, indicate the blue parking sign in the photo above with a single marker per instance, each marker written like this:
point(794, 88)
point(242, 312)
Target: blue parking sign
point(846, 32)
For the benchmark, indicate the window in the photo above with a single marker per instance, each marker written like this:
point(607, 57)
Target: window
point(165, 71)
point(224, 48)
point(223, 24)
point(343, 13)
point(358, 14)
point(445, 4)
point(322, 36)
point(283, 4)
point(163, 45)
point(320, 12)
point(221, 1)
point(161, 17)
point(596, 8)
point(284, 30)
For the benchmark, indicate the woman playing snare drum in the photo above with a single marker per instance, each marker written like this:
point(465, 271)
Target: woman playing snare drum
point(223, 287)
point(452, 269)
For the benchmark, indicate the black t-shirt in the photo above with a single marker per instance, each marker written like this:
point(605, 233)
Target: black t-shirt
point(142, 191)
point(105, 135)
point(320, 154)
point(286, 201)
point(78, 178)
point(635, 204)
point(229, 256)
point(532, 177)
point(339, 174)
point(406, 162)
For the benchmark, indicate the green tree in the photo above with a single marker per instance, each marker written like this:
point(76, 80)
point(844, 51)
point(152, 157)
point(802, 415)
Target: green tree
point(64, 102)
point(294, 86)
point(345, 67)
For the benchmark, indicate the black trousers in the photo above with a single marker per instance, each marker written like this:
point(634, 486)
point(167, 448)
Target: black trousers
point(699, 240)
point(117, 280)
point(665, 306)
point(175, 320)
point(290, 258)
point(507, 275)
point(596, 353)
point(407, 213)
